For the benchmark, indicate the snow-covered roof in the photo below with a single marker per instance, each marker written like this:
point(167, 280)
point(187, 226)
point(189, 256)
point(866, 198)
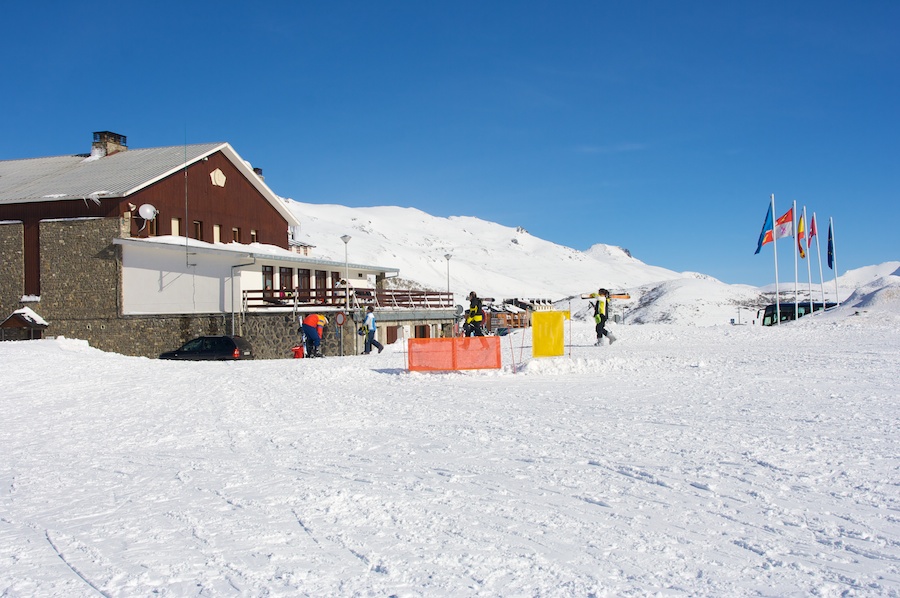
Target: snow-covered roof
point(27, 316)
point(81, 176)
point(30, 315)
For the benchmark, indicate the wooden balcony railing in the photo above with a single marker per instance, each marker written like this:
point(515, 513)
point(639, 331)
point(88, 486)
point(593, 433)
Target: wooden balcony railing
point(296, 299)
point(508, 320)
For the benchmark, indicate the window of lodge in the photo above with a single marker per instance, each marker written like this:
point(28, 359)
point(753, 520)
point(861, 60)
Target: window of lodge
point(268, 273)
point(286, 279)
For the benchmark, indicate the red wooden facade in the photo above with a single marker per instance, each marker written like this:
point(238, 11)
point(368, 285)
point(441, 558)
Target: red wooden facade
point(194, 198)
point(238, 208)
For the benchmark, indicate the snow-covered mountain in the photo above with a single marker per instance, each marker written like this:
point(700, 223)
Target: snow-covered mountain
point(492, 259)
point(505, 262)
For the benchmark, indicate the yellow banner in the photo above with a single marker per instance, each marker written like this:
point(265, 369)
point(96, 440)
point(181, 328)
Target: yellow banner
point(548, 333)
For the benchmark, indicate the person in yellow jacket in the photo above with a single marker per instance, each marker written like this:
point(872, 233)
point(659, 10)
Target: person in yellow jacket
point(601, 314)
point(475, 317)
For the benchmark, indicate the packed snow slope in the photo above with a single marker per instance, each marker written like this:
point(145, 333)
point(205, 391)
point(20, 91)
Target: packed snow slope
point(679, 461)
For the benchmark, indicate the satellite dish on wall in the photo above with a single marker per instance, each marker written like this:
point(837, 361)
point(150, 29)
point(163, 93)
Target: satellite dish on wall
point(147, 211)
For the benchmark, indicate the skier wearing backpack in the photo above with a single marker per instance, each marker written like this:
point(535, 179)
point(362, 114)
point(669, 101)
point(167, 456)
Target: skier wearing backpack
point(601, 314)
point(370, 330)
point(474, 317)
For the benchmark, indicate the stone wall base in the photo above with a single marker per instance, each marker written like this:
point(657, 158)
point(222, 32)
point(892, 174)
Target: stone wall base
point(271, 335)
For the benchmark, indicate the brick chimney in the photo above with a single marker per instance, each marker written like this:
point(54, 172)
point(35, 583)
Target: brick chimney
point(107, 143)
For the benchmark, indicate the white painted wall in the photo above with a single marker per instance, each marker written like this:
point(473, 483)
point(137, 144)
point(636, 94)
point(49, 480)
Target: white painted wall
point(160, 280)
point(165, 278)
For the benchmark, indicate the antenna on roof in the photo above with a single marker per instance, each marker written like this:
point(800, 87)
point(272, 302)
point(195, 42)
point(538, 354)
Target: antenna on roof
point(187, 253)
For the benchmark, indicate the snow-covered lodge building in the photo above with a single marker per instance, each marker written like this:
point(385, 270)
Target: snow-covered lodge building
point(138, 250)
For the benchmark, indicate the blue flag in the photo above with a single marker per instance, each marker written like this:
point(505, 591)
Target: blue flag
point(767, 228)
point(830, 248)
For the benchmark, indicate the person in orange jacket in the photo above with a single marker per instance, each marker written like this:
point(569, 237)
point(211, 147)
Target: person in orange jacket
point(313, 325)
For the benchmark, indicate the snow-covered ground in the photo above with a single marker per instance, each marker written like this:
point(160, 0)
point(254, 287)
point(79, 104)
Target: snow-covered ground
point(679, 461)
point(690, 458)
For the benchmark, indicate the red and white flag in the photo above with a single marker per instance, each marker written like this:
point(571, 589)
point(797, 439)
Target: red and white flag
point(784, 226)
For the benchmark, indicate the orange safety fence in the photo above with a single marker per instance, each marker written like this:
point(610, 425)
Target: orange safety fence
point(463, 353)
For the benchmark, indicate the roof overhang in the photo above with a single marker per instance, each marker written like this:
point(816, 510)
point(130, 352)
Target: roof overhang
point(240, 252)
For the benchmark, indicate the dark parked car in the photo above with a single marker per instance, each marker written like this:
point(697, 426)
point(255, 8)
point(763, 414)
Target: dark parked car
point(212, 348)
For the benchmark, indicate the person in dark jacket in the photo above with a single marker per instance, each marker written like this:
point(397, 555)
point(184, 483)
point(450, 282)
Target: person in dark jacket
point(475, 317)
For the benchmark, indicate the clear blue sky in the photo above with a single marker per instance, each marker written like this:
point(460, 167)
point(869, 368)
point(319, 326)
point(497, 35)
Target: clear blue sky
point(662, 127)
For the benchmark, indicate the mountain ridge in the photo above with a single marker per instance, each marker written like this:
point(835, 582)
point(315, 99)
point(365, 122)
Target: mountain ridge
point(506, 262)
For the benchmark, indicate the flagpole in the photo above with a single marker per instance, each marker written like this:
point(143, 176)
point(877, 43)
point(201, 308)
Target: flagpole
point(837, 297)
point(819, 256)
point(775, 253)
point(808, 258)
point(796, 275)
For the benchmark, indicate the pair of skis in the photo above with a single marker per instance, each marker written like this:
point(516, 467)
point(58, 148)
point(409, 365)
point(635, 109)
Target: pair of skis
point(620, 295)
point(611, 296)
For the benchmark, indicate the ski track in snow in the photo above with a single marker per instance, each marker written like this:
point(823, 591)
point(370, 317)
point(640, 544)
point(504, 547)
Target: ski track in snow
point(679, 461)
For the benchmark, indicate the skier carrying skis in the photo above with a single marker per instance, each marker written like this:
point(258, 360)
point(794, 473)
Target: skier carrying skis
point(601, 314)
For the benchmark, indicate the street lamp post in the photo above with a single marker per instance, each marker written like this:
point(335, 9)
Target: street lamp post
point(346, 240)
point(447, 256)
